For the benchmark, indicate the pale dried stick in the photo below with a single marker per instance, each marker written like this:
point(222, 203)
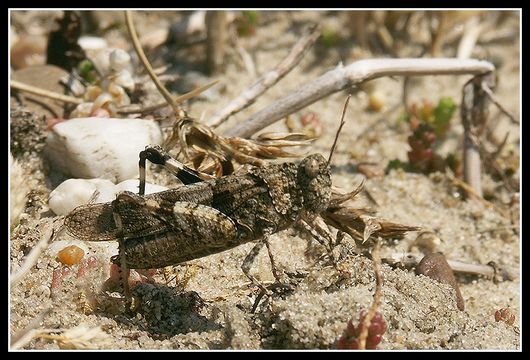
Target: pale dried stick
point(17, 85)
point(410, 260)
point(215, 39)
point(376, 258)
point(268, 79)
point(473, 112)
point(141, 55)
point(353, 75)
point(472, 30)
point(32, 257)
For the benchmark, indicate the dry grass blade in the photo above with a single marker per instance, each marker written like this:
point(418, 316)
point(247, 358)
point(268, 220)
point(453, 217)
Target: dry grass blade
point(497, 103)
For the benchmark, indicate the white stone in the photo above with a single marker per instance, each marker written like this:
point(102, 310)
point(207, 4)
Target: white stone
point(75, 192)
point(100, 147)
point(89, 43)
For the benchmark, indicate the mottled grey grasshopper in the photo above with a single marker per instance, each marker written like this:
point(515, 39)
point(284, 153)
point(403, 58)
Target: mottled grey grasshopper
point(207, 215)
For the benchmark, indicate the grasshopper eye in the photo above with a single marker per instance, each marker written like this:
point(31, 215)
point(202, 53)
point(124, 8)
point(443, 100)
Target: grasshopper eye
point(312, 168)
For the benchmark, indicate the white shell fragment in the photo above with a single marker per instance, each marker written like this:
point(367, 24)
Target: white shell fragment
point(75, 192)
point(100, 147)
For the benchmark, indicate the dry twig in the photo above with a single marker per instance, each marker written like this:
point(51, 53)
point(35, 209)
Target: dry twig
point(376, 258)
point(474, 114)
point(268, 79)
point(215, 39)
point(354, 75)
point(473, 28)
point(490, 270)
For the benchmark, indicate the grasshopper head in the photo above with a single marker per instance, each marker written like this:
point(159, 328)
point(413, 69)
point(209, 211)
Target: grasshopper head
point(314, 178)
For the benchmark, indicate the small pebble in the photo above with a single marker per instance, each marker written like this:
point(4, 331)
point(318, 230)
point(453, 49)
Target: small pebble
point(71, 255)
point(427, 241)
point(376, 101)
point(435, 266)
point(28, 51)
point(46, 77)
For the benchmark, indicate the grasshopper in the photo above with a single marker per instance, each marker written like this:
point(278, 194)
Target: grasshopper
point(207, 215)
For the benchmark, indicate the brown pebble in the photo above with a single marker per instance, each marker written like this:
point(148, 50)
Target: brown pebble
point(46, 77)
point(435, 266)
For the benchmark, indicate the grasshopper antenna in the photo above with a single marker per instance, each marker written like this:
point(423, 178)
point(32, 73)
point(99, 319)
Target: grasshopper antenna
point(342, 122)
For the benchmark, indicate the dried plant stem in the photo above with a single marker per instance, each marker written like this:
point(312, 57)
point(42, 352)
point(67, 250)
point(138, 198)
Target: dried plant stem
point(410, 260)
point(472, 164)
point(32, 257)
point(141, 55)
point(268, 79)
point(494, 100)
point(376, 258)
point(215, 40)
point(353, 75)
point(358, 20)
point(470, 191)
point(17, 85)
point(474, 115)
point(247, 60)
point(472, 31)
point(438, 34)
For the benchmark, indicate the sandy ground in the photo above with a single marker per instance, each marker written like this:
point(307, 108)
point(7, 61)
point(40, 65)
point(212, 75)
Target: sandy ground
point(206, 303)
